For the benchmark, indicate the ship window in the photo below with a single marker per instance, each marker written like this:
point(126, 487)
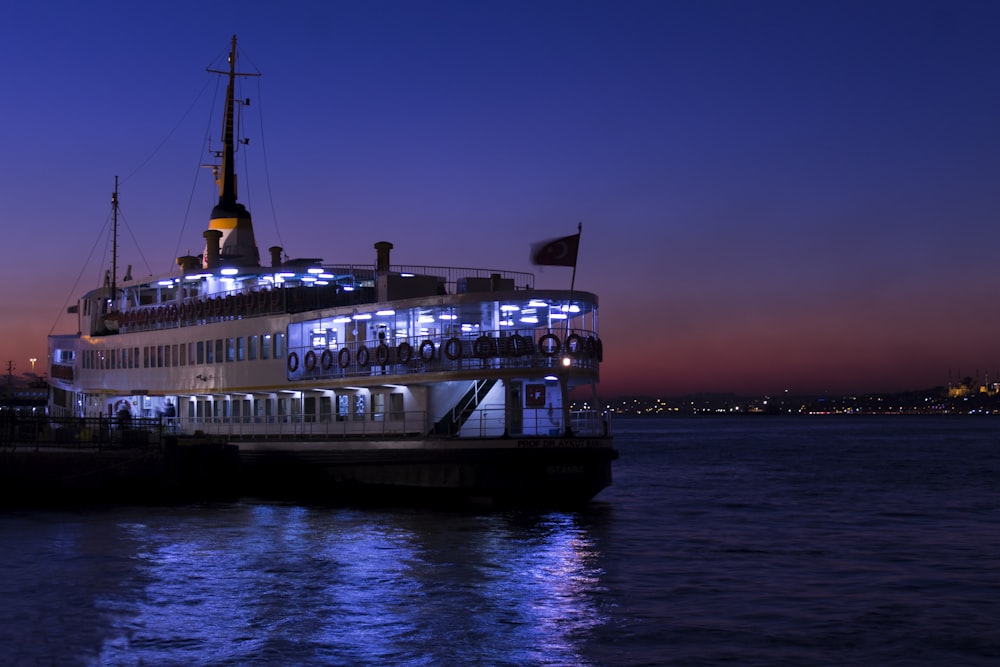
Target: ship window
point(173, 355)
point(230, 349)
point(241, 349)
point(265, 346)
point(219, 350)
point(378, 406)
point(209, 352)
point(145, 356)
point(201, 352)
point(325, 408)
point(279, 345)
point(252, 348)
point(309, 409)
point(183, 349)
point(166, 356)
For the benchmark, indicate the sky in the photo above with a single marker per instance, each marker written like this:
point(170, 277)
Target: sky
point(775, 195)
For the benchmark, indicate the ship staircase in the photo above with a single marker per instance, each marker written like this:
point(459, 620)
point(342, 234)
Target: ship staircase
point(452, 422)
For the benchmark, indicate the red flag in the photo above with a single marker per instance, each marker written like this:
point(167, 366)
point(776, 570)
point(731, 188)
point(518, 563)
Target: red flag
point(557, 252)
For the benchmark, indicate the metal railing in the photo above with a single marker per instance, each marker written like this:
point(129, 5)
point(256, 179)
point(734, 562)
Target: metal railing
point(80, 433)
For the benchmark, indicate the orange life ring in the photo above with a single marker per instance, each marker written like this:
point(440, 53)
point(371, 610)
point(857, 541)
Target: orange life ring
point(483, 346)
point(427, 351)
point(382, 354)
point(326, 360)
point(404, 352)
point(310, 360)
point(293, 362)
point(549, 345)
point(362, 356)
point(453, 348)
point(344, 357)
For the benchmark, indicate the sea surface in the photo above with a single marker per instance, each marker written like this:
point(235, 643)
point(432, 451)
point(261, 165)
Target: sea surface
point(724, 541)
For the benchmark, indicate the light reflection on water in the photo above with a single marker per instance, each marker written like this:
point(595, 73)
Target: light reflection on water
point(284, 584)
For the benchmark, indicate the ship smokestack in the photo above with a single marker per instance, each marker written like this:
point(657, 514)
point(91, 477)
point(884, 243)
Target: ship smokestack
point(382, 249)
point(212, 237)
point(275, 251)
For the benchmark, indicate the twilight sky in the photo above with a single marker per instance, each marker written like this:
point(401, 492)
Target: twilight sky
point(775, 195)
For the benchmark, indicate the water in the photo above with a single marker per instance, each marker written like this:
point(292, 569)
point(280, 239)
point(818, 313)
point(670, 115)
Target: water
point(740, 541)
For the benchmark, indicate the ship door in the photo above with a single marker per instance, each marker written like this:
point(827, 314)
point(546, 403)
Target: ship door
point(515, 410)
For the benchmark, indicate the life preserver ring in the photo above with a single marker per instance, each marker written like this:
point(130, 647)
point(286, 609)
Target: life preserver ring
point(362, 356)
point(427, 351)
point(404, 352)
point(549, 345)
point(293, 362)
point(326, 360)
point(483, 346)
point(515, 345)
point(382, 354)
point(310, 360)
point(574, 344)
point(453, 348)
point(344, 357)
point(122, 404)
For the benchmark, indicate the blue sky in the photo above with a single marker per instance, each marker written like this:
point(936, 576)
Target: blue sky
point(774, 195)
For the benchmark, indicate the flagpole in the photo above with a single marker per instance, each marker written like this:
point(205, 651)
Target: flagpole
point(572, 281)
point(564, 387)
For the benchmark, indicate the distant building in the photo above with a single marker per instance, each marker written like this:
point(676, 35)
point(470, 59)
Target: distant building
point(24, 396)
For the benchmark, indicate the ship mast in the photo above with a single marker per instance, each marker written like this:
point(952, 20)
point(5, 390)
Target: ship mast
point(227, 182)
point(230, 238)
point(114, 245)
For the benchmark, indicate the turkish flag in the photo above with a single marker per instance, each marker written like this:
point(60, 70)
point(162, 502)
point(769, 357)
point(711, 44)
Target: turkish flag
point(556, 252)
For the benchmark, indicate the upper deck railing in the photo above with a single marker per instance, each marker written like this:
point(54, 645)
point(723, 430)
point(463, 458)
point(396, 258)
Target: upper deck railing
point(349, 285)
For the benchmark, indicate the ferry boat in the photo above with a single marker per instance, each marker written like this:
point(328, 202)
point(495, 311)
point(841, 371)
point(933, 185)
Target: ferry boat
point(359, 380)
